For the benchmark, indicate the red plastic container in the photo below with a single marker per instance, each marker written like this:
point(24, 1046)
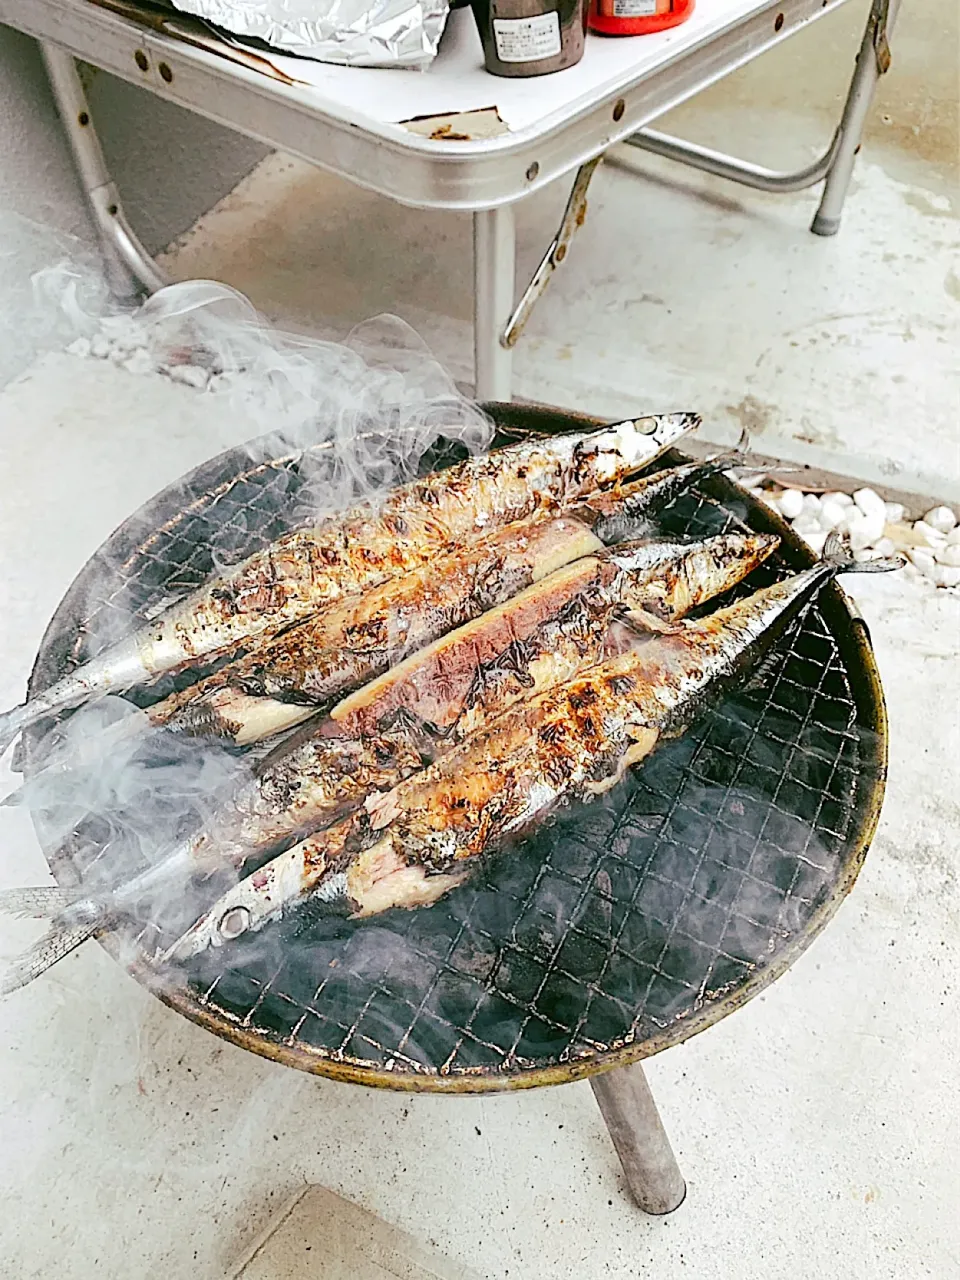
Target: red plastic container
point(637, 17)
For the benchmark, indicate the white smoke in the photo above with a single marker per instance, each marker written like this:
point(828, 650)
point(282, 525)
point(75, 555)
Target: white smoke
point(353, 419)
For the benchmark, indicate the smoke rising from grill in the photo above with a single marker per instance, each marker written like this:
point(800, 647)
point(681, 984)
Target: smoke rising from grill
point(352, 420)
point(608, 922)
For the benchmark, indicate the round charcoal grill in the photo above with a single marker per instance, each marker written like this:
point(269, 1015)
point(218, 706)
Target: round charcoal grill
point(617, 930)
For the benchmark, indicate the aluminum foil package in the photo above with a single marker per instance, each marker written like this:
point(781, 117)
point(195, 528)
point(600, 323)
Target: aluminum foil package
point(358, 33)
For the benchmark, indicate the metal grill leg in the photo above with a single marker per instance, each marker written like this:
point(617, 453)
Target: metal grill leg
point(494, 267)
point(130, 268)
point(873, 60)
point(631, 1116)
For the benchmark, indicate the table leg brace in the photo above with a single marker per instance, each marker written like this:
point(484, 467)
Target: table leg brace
point(834, 167)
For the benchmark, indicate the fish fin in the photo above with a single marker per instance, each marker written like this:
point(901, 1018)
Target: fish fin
point(643, 742)
point(40, 902)
point(735, 460)
point(621, 527)
point(837, 554)
point(643, 620)
point(764, 669)
point(200, 720)
point(45, 952)
point(332, 890)
point(14, 798)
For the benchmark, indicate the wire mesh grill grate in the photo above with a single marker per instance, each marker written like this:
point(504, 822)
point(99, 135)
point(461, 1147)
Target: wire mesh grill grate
point(611, 925)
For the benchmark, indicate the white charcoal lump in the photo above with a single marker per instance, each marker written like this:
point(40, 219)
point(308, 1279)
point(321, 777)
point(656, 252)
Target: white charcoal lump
point(932, 537)
point(922, 559)
point(791, 503)
point(832, 512)
point(877, 529)
point(940, 518)
point(871, 504)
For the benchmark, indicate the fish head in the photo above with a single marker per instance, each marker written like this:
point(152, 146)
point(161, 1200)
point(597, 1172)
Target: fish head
point(640, 557)
point(679, 576)
point(628, 446)
point(242, 909)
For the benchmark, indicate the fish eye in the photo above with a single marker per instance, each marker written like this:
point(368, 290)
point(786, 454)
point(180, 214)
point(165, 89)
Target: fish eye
point(646, 426)
point(234, 922)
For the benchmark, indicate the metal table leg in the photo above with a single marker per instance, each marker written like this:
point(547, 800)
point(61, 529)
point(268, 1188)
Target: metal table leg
point(631, 1116)
point(494, 265)
point(873, 61)
point(835, 165)
point(130, 268)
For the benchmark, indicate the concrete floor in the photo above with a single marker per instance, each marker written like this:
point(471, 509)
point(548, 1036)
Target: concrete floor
point(683, 288)
point(814, 345)
point(817, 1127)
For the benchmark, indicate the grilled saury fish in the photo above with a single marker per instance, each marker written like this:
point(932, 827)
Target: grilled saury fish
point(283, 681)
point(436, 698)
point(309, 568)
point(546, 635)
point(409, 846)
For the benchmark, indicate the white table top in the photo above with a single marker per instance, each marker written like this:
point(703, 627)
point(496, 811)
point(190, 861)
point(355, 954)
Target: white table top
point(457, 81)
point(346, 119)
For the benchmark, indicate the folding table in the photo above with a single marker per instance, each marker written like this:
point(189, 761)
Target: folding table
point(350, 121)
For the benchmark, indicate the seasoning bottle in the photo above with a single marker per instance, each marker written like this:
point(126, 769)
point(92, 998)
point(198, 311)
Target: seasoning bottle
point(637, 17)
point(530, 37)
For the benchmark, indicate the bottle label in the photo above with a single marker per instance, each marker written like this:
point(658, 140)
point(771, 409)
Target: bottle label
point(631, 8)
point(527, 39)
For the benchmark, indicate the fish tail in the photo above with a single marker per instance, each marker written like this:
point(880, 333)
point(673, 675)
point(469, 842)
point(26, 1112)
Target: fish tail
point(39, 902)
point(729, 459)
point(838, 555)
point(12, 721)
point(43, 955)
point(74, 920)
point(735, 459)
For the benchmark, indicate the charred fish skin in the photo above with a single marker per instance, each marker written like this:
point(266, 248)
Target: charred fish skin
point(282, 682)
point(308, 568)
point(304, 789)
point(286, 680)
point(311, 786)
point(309, 780)
point(532, 645)
point(411, 845)
point(616, 516)
point(547, 634)
point(416, 523)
